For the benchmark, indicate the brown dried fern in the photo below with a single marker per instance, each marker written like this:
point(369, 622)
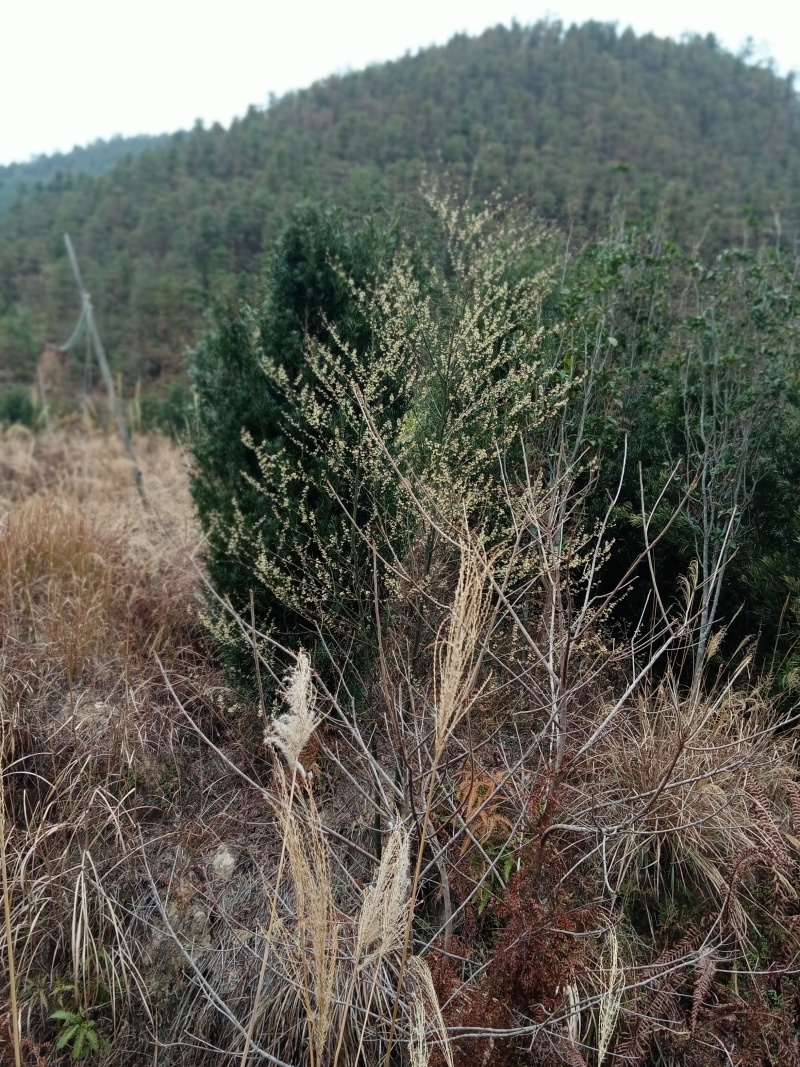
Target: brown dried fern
point(793, 793)
point(634, 1048)
point(34, 1052)
point(690, 940)
point(480, 797)
point(763, 809)
point(572, 1055)
point(704, 980)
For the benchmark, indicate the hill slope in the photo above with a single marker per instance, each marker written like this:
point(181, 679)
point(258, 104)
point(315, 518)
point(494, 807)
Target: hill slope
point(565, 119)
point(96, 158)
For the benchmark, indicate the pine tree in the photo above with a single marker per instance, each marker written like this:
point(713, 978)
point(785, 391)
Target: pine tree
point(250, 376)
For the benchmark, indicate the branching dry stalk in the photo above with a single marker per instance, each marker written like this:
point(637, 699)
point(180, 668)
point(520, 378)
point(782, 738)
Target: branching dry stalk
point(9, 935)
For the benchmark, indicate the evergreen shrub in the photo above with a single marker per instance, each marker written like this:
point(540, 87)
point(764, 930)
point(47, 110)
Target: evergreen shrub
point(16, 406)
point(376, 369)
point(703, 390)
point(253, 384)
point(449, 366)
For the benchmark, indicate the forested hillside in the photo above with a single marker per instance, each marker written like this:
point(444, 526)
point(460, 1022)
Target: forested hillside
point(17, 179)
point(566, 120)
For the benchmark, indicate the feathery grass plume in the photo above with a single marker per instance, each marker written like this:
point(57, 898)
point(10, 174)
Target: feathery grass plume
point(457, 664)
point(382, 925)
point(291, 731)
point(613, 979)
point(290, 734)
point(330, 987)
point(426, 1014)
point(382, 919)
point(312, 957)
point(457, 653)
point(419, 1053)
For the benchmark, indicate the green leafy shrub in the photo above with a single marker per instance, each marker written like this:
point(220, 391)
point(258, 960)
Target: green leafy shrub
point(170, 415)
point(78, 1033)
point(703, 384)
point(16, 406)
point(461, 346)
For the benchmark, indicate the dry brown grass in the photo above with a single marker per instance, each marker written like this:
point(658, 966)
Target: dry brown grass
point(84, 567)
point(692, 785)
point(494, 813)
point(143, 820)
point(92, 587)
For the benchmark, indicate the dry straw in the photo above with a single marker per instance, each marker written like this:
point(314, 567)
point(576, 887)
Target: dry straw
point(458, 654)
point(337, 970)
point(613, 981)
point(291, 732)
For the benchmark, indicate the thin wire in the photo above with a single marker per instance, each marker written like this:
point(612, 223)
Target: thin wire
point(77, 333)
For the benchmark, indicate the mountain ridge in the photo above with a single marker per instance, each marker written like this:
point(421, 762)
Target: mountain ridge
point(568, 121)
point(95, 158)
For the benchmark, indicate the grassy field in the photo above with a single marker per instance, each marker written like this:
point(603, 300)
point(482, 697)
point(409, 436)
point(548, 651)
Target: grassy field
point(532, 844)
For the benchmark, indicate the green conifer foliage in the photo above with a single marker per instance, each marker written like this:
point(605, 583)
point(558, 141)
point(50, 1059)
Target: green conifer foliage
point(571, 120)
point(445, 369)
point(249, 377)
point(374, 380)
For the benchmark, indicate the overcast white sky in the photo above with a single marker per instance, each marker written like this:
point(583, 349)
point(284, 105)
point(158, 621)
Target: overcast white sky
point(75, 70)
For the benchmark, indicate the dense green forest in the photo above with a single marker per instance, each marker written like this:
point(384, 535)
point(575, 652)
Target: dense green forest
point(571, 121)
point(99, 157)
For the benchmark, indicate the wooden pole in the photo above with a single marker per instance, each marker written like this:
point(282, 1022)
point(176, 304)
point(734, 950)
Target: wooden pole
point(102, 360)
point(43, 395)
